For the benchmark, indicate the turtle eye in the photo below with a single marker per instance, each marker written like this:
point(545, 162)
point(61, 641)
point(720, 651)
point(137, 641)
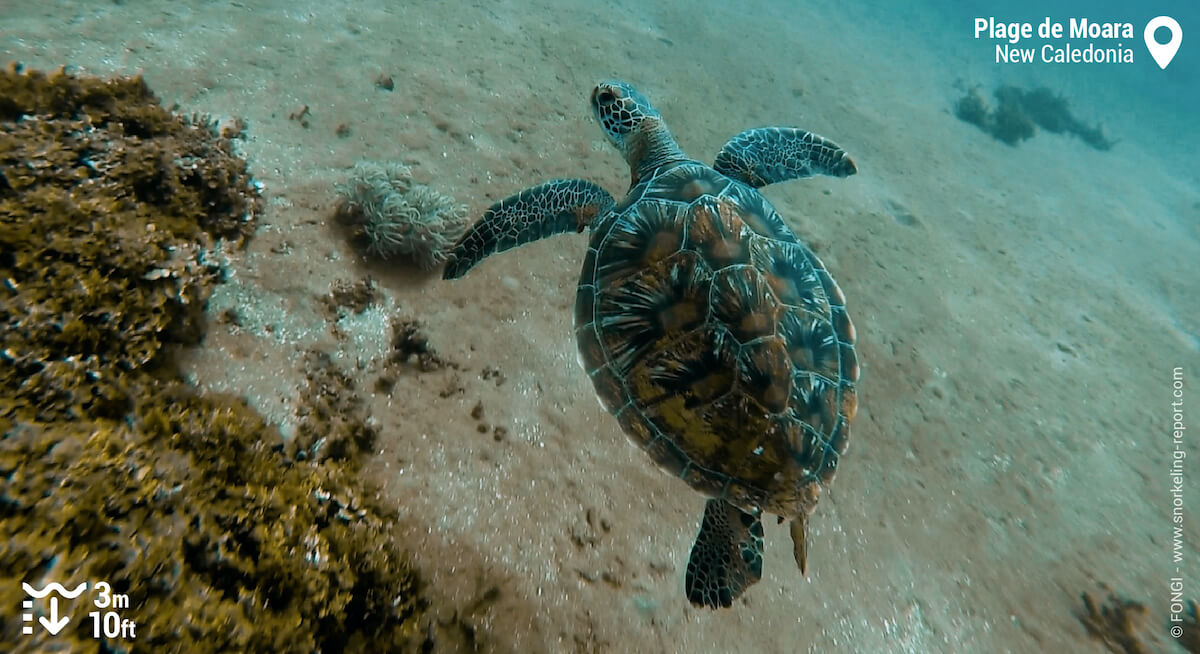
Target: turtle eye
point(605, 97)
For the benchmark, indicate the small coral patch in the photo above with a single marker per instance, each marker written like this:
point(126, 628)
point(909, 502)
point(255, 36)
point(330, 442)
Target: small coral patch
point(390, 216)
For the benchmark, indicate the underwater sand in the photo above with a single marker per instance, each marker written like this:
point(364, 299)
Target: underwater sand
point(1019, 311)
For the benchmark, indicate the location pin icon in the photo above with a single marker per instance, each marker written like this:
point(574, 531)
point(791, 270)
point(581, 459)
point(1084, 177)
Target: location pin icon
point(1163, 53)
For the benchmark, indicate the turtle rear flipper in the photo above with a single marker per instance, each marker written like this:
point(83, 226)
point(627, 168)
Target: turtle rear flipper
point(767, 155)
point(556, 207)
point(727, 556)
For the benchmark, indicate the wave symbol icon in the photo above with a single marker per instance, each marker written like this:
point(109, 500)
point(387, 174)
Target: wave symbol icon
point(55, 587)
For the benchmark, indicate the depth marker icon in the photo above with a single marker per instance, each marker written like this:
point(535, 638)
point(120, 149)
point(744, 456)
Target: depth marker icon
point(53, 623)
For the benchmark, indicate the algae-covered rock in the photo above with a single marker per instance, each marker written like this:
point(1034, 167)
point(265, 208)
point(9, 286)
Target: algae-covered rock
point(1019, 112)
point(111, 469)
point(1010, 123)
point(333, 419)
point(972, 108)
point(109, 208)
point(221, 542)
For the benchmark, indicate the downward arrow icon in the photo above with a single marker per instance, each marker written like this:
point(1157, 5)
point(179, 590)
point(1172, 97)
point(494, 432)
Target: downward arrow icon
point(54, 624)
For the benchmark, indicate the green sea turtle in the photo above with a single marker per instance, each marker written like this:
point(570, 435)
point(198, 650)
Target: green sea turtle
point(717, 340)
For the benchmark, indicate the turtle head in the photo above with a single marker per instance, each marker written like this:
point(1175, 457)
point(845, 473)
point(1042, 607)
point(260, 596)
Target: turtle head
point(633, 126)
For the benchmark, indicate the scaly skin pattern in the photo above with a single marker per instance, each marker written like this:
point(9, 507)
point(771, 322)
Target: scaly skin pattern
point(556, 207)
point(767, 155)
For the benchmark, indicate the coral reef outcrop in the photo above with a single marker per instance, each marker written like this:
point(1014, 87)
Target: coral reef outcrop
point(113, 211)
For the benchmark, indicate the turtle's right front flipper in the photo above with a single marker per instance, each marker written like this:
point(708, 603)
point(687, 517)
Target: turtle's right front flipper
point(556, 207)
point(767, 155)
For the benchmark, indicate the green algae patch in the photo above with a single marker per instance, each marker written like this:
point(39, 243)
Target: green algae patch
point(112, 213)
point(110, 208)
point(220, 541)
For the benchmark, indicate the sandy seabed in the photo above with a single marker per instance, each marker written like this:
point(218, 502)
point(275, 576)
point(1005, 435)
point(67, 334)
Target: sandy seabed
point(1019, 313)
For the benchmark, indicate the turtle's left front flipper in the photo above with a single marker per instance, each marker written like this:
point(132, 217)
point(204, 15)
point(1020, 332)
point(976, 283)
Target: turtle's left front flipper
point(767, 155)
point(556, 207)
point(727, 556)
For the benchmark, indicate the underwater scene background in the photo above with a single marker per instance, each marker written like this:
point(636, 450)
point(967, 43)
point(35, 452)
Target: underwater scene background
point(269, 421)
